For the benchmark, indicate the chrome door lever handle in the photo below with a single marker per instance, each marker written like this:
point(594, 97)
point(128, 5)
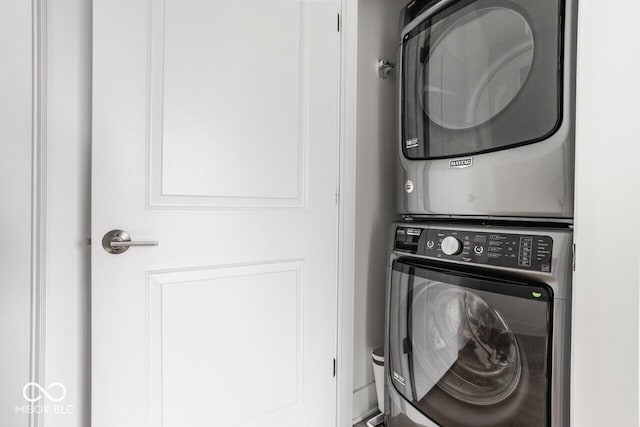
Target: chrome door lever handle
point(118, 241)
point(133, 243)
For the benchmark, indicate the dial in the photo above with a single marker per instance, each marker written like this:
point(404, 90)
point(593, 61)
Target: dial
point(451, 246)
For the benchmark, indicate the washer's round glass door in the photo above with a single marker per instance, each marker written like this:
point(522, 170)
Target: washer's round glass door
point(467, 348)
point(476, 67)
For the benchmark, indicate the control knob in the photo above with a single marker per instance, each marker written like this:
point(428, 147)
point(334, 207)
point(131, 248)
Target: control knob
point(451, 246)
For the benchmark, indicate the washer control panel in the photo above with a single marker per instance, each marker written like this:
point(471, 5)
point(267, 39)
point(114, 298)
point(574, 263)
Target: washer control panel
point(522, 251)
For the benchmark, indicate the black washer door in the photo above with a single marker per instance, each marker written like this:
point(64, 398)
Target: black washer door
point(469, 350)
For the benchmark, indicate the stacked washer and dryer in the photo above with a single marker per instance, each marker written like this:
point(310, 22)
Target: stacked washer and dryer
point(479, 293)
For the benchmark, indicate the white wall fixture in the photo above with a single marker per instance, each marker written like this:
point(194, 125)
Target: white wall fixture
point(606, 282)
point(384, 67)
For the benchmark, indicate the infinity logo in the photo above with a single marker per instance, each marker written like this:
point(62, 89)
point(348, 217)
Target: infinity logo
point(42, 392)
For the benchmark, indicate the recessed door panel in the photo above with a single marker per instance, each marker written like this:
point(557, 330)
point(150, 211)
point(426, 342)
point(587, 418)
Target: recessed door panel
point(207, 354)
point(229, 87)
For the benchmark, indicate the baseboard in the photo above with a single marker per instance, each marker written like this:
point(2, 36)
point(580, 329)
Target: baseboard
point(365, 417)
point(365, 402)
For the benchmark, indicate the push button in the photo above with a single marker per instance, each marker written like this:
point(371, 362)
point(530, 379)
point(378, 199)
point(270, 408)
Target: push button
point(478, 250)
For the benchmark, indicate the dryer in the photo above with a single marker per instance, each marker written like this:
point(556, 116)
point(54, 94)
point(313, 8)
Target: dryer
point(486, 101)
point(478, 326)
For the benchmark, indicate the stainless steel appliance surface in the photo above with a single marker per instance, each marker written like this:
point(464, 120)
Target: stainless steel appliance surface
point(478, 326)
point(486, 108)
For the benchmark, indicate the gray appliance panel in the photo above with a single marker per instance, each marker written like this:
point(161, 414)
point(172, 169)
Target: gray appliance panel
point(553, 268)
point(534, 180)
point(400, 413)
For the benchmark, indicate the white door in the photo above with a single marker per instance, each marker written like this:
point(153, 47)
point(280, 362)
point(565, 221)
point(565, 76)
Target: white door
point(215, 134)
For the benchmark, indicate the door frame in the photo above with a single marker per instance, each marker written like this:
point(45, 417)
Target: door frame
point(39, 226)
point(51, 51)
point(348, 27)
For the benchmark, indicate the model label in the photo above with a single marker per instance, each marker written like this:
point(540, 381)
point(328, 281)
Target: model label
point(461, 163)
point(411, 143)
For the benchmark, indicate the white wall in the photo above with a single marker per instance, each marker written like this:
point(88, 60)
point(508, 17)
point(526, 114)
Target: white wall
point(607, 226)
point(15, 206)
point(65, 126)
point(378, 36)
point(68, 133)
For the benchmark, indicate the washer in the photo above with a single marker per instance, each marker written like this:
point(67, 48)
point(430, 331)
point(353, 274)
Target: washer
point(486, 102)
point(478, 326)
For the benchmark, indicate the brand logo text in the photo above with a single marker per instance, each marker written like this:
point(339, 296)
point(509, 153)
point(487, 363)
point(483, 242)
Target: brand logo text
point(461, 163)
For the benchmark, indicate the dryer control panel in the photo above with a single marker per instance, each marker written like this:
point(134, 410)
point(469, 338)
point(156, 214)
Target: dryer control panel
point(522, 251)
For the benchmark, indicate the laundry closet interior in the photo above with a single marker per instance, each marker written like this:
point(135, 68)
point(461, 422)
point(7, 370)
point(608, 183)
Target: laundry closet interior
point(520, 200)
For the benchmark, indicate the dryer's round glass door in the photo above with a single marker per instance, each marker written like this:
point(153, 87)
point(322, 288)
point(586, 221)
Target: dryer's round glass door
point(476, 67)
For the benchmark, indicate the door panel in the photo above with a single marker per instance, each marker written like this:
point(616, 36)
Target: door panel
point(260, 350)
point(215, 133)
point(238, 104)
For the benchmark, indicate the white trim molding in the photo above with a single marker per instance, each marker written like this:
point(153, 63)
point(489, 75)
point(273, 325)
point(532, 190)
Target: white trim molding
point(362, 398)
point(347, 208)
point(38, 199)
point(606, 285)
